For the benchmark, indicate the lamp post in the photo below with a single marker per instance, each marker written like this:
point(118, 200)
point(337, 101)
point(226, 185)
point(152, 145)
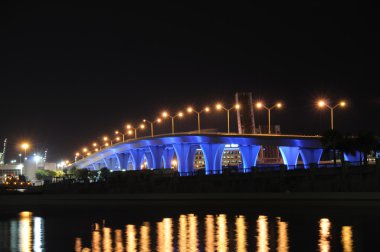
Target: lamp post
point(25, 146)
point(165, 115)
point(20, 157)
point(105, 139)
point(260, 105)
point(151, 125)
point(119, 133)
point(219, 106)
point(191, 110)
point(322, 104)
point(130, 128)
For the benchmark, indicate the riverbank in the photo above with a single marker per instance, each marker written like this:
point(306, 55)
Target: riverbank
point(329, 198)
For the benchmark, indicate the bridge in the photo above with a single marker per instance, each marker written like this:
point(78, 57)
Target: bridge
point(158, 151)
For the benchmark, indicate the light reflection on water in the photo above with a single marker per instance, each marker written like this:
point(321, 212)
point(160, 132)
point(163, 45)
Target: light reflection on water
point(187, 232)
point(221, 233)
point(26, 233)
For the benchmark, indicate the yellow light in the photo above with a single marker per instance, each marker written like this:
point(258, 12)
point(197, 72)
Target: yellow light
point(142, 126)
point(25, 146)
point(144, 120)
point(84, 149)
point(96, 149)
point(117, 132)
point(180, 114)
point(321, 103)
point(218, 106)
point(164, 114)
point(105, 138)
point(94, 144)
point(189, 109)
point(237, 106)
point(67, 161)
point(129, 126)
point(129, 132)
point(106, 144)
point(342, 103)
point(159, 120)
point(259, 105)
point(88, 153)
point(117, 138)
point(174, 162)
point(77, 154)
point(207, 109)
point(279, 105)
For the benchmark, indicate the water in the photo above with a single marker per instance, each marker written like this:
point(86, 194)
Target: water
point(191, 228)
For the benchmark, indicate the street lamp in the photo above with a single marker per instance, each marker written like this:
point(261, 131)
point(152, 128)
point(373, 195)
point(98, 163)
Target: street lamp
point(322, 103)
point(119, 133)
point(105, 139)
point(130, 128)
point(151, 124)
point(260, 105)
point(165, 115)
point(191, 110)
point(20, 157)
point(219, 106)
point(25, 146)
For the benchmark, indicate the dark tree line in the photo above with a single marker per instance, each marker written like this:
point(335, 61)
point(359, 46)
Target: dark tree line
point(365, 143)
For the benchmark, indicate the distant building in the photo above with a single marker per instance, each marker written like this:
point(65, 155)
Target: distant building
point(269, 154)
point(231, 157)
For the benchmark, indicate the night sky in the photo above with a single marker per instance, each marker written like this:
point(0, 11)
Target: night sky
point(72, 73)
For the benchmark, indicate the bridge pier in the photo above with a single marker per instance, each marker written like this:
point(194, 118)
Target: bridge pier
point(123, 160)
point(156, 152)
point(353, 158)
point(310, 156)
point(212, 154)
point(137, 158)
point(249, 155)
point(289, 155)
point(168, 155)
point(184, 158)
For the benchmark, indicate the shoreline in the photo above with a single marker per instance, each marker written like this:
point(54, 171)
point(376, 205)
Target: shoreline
point(330, 198)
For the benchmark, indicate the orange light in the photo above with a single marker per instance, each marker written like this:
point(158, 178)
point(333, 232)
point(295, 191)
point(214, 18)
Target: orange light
point(342, 103)
point(189, 109)
point(164, 114)
point(321, 103)
point(219, 106)
point(259, 105)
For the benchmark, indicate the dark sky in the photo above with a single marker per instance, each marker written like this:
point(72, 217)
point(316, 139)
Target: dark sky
point(71, 73)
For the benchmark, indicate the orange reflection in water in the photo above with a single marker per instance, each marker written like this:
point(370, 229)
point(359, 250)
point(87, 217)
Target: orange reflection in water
point(107, 239)
point(78, 245)
point(130, 233)
point(241, 234)
point(210, 233)
point(96, 239)
point(262, 234)
point(165, 235)
point(144, 237)
point(324, 235)
point(283, 240)
point(221, 233)
point(25, 231)
point(182, 233)
point(347, 241)
point(119, 240)
point(193, 232)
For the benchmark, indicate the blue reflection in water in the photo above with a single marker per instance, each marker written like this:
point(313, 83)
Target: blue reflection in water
point(25, 233)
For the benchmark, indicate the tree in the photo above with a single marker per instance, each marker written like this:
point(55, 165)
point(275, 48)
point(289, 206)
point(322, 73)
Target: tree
point(42, 174)
point(104, 174)
point(330, 141)
point(346, 145)
point(93, 175)
point(81, 174)
point(365, 143)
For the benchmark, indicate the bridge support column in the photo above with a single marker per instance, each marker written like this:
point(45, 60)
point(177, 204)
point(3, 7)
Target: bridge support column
point(168, 155)
point(352, 158)
point(311, 156)
point(289, 155)
point(182, 152)
point(249, 155)
point(123, 160)
point(213, 157)
point(108, 163)
point(156, 152)
point(137, 158)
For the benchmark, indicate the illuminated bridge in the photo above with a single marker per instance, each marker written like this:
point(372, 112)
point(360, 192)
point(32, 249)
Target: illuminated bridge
point(158, 152)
